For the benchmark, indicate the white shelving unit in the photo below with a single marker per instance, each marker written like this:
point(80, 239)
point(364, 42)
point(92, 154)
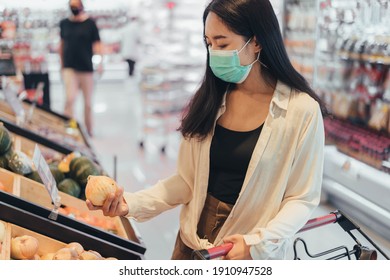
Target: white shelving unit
point(358, 189)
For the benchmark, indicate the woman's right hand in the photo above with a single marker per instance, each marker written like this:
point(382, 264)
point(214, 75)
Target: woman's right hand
point(114, 205)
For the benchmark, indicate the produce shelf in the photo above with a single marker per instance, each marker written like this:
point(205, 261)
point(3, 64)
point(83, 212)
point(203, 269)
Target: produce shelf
point(36, 218)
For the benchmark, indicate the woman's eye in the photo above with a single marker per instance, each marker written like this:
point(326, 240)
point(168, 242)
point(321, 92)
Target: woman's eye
point(222, 46)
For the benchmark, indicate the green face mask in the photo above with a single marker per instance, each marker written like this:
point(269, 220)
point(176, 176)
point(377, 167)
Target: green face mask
point(226, 65)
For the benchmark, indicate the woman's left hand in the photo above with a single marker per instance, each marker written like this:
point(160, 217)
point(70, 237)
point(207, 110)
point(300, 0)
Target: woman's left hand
point(240, 250)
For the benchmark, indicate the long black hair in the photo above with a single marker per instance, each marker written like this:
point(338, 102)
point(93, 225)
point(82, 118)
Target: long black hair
point(247, 18)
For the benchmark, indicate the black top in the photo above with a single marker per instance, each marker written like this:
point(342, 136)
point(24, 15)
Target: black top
point(78, 40)
point(230, 154)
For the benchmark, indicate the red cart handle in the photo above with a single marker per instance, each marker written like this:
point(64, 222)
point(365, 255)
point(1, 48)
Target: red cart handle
point(212, 253)
point(320, 221)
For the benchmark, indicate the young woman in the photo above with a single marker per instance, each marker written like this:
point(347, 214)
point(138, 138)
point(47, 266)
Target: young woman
point(250, 164)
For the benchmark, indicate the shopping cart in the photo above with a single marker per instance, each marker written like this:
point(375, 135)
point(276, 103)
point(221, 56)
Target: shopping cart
point(359, 252)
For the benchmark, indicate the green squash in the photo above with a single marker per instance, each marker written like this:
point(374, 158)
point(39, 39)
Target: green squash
point(3, 162)
point(57, 174)
point(80, 168)
point(4, 159)
point(34, 176)
point(70, 187)
point(5, 139)
point(20, 163)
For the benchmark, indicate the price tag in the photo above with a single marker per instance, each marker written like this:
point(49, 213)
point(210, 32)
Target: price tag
point(47, 179)
point(351, 169)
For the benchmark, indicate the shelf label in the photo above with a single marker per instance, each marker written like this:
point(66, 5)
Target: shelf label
point(47, 179)
point(350, 169)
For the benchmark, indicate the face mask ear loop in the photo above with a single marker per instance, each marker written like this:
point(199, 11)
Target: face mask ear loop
point(257, 59)
point(261, 63)
point(245, 45)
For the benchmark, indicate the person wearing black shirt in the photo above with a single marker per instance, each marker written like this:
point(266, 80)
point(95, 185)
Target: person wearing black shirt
point(79, 41)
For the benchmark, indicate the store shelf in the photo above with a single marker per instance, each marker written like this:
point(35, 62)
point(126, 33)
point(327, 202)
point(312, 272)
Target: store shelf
point(35, 218)
point(26, 193)
point(359, 189)
point(370, 183)
point(367, 213)
point(299, 32)
point(48, 128)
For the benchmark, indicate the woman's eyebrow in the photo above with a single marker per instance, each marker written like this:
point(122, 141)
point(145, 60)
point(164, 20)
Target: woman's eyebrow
point(216, 37)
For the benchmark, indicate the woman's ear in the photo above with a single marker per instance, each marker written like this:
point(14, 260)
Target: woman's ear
point(257, 45)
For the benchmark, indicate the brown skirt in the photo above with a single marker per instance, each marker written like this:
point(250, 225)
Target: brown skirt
point(214, 215)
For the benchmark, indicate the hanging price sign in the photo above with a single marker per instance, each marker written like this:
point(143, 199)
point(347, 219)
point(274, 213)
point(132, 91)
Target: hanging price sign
point(48, 180)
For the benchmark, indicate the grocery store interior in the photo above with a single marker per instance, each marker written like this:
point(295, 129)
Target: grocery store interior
point(342, 47)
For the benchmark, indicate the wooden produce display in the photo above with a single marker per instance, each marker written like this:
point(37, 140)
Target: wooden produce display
point(124, 244)
point(49, 128)
point(7, 179)
point(72, 207)
point(46, 244)
point(43, 248)
point(27, 146)
point(4, 241)
point(25, 204)
point(70, 176)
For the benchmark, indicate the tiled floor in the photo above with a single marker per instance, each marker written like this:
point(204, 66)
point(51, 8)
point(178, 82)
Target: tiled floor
point(118, 122)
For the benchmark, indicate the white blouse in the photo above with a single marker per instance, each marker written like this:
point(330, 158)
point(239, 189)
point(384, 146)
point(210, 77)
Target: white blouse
point(281, 189)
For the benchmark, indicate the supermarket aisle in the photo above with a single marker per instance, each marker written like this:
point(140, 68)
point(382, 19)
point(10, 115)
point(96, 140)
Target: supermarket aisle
point(118, 125)
point(118, 121)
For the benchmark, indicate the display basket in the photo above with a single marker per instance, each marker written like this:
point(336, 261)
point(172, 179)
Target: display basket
point(358, 251)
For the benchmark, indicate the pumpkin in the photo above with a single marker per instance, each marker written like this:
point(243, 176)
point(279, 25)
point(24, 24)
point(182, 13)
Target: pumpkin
point(5, 139)
point(70, 187)
point(64, 164)
point(35, 176)
point(3, 162)
point(4, 159)
point(57, 174)
point(20, 163)
point(82, 167)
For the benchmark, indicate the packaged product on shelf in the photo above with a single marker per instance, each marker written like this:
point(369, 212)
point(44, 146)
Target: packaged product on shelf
point(374, 79)
point(344, 105)
point(379, 116)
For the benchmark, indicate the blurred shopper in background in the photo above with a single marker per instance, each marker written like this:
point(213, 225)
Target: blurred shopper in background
point(80, 40)
point(130, 43)
point(250, 163)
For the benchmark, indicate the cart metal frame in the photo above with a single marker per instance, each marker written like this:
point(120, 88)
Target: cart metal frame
point(359, 251)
